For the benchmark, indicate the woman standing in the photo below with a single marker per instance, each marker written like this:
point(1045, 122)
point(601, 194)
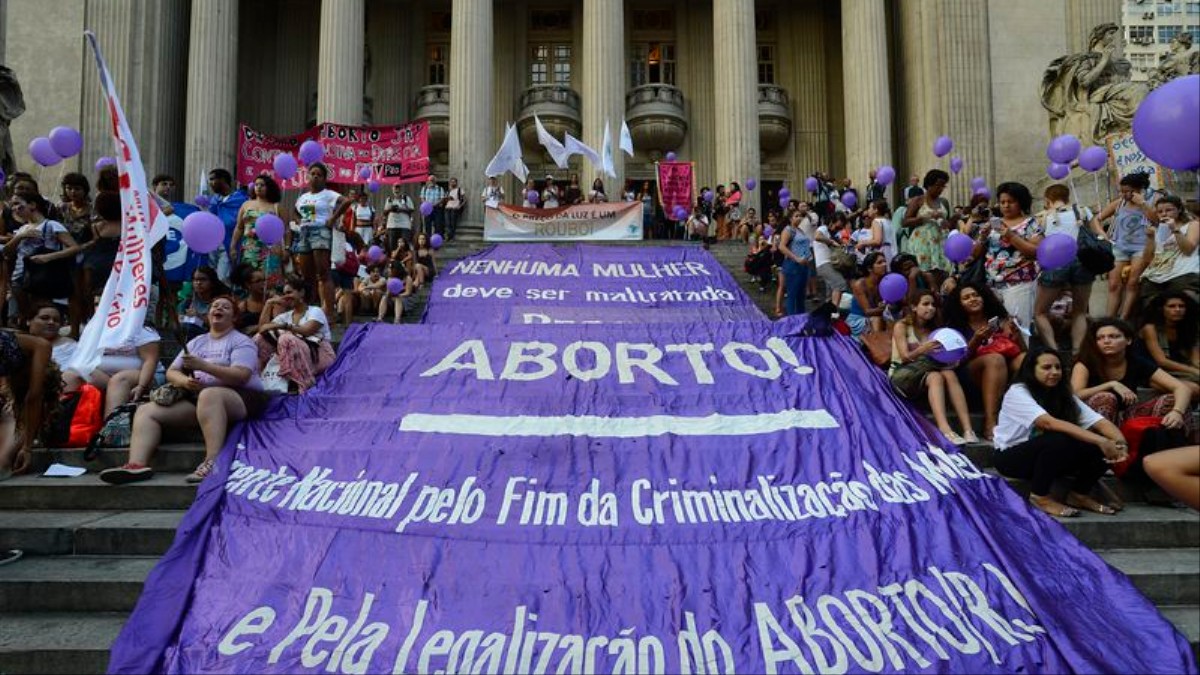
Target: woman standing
point(1131, 214)
point(597, 195)
point(36, 234)
point(1046, 433)
point(364, 215)
point(796, 246)
point(996, 347)
point(646, 197)
point(928, 216)
point(1171, 249)
point(247, 247)
point(101, 250)
point(456, 199)
point(913, 372)
point(1108, 376)
point(734, 203)
point(1061, 217)
point(319, 211)
point(530, 188)
point(76, 210)
point(574, 193)
point(1009, 249)
point(882, 238)
point(550, 196)
point(1171, 337)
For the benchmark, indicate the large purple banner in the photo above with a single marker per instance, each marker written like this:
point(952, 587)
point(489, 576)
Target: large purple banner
point(688, 497)
point(542, 283)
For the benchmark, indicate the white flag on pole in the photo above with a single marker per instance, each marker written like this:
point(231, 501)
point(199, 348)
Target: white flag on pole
point(575, 146)
point(126, 297)
point(508, 157)
point(606, 153)
point(626, 139)
point(557, 152)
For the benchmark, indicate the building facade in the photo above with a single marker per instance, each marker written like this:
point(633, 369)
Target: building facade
point(770, 89)
point(1150, 28)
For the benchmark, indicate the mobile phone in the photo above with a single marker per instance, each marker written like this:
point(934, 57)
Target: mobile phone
point(994, 323)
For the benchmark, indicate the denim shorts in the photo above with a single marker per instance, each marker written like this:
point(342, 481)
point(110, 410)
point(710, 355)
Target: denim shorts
point(313, 239)
point(1122, 253)
point(1070, 275)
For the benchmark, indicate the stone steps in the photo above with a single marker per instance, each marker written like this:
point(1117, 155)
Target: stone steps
point(54, 643)
point(167, 491)
point(109, 533)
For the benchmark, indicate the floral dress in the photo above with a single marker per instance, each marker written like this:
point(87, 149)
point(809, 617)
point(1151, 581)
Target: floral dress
point(926, 240)
point(1006, 265)
point(262, 257)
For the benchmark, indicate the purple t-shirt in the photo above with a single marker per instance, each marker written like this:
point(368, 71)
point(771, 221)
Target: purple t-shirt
point(231, 349)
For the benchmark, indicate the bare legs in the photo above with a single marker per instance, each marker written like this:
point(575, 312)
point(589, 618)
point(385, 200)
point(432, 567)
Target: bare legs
point(990, 372)
point(938, 384)
point(1123, 292)
point(214, 410)
point(1177, 472)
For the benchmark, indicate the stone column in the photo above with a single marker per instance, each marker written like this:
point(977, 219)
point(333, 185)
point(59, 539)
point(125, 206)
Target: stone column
point(736, 104)
point(1084, 15)
point(868, 109)
point(603, 90)
point(340, 65)
point(211, 128)
point(471, 67)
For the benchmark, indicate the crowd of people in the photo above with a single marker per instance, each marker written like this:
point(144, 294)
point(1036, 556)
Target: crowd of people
point(255, 318)
point(1063, 388)
point(1061, 394)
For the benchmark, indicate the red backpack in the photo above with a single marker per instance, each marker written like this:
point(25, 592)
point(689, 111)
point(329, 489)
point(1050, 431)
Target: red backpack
point(80, 417)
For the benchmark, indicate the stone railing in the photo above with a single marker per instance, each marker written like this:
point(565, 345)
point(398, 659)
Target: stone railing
point(657, 117)
point(556, 105)
point(774, 117)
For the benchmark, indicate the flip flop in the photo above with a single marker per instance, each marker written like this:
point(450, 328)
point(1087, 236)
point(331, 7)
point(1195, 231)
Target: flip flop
point(955, 438)
point(1057, 511)
point(1087, 503)
point(970, 437)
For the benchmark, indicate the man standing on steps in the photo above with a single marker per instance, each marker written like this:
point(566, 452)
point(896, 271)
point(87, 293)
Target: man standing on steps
point(436, 196)
point(225, 204)
point(399, 210)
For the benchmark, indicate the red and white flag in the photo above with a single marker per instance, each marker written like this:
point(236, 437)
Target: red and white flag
point(126, 298)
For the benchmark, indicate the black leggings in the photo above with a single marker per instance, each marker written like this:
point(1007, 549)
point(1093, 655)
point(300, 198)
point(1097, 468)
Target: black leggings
point(1052, 455)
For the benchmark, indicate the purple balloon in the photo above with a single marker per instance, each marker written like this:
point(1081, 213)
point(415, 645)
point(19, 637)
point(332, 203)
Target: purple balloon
point(203, 232)
point(671, 156)
point(426, 209)
point(956, 164)
point(375, 255)
point(751, 183)
point(103, 162)
point(983, 192)
point(436, 241)
point(203, 201)
point(66, 141)
point(978, 182)
point(885, 175)
point(893, 288)
point(785, 193)
point(679, 213)
point(285, 166)
point(1058, 171)
point(269, 229)
point(811, 184)
point(395, 286)
point(373, 185)
point(952, 336)
point(1063, 149)
point(768, 231)
point(364, 173)
point(958, 247)
point(783, 202)
point(709, 196)
point(849, 200)
point(1165, 127)
point(1057, 250)
point(3, 176)
point(42, 152)
point(1093, 158)
point(531, 196)
point(311, 152)
point(942, 146)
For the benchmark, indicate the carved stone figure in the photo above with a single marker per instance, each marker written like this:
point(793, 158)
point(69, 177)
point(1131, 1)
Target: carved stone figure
point(1089, 94)
point(1177, 62)
point(12, 106)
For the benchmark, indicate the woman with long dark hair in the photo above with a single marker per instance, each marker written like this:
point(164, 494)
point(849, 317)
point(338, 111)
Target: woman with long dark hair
point(193, 305)
point(1171, 337)
point(1046, 433)
point(995, 345)
point(247, 247)
point(1132, 213)
point(29, 387)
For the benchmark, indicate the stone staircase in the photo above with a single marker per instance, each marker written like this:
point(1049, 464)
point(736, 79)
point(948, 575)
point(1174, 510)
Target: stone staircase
point(89, 547)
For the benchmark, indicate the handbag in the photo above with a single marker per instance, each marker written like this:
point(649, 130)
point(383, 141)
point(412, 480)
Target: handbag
point(843, 261)
point(1145, 436)
point(973, 273)
point(50, 279)
point(168, 395)
point(116, 432)
point(878, 347)
point(1095, 254)
point(1000, 344)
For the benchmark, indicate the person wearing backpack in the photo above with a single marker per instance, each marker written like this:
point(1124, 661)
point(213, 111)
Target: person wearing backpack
point(1063, 217)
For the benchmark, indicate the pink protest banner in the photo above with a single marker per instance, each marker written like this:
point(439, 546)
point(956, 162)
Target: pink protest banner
point(394, 154)
point(256, 155)
point(676, 186)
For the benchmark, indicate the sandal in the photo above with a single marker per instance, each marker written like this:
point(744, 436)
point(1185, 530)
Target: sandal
point(1050, 507)
point(1109, 498)
point(1084, 502)
point(954, 438)
point(970, 437)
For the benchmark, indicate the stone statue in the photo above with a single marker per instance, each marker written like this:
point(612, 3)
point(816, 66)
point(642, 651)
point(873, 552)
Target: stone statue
point(1089, 94)
point(1177, 62)
point(12, 106)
